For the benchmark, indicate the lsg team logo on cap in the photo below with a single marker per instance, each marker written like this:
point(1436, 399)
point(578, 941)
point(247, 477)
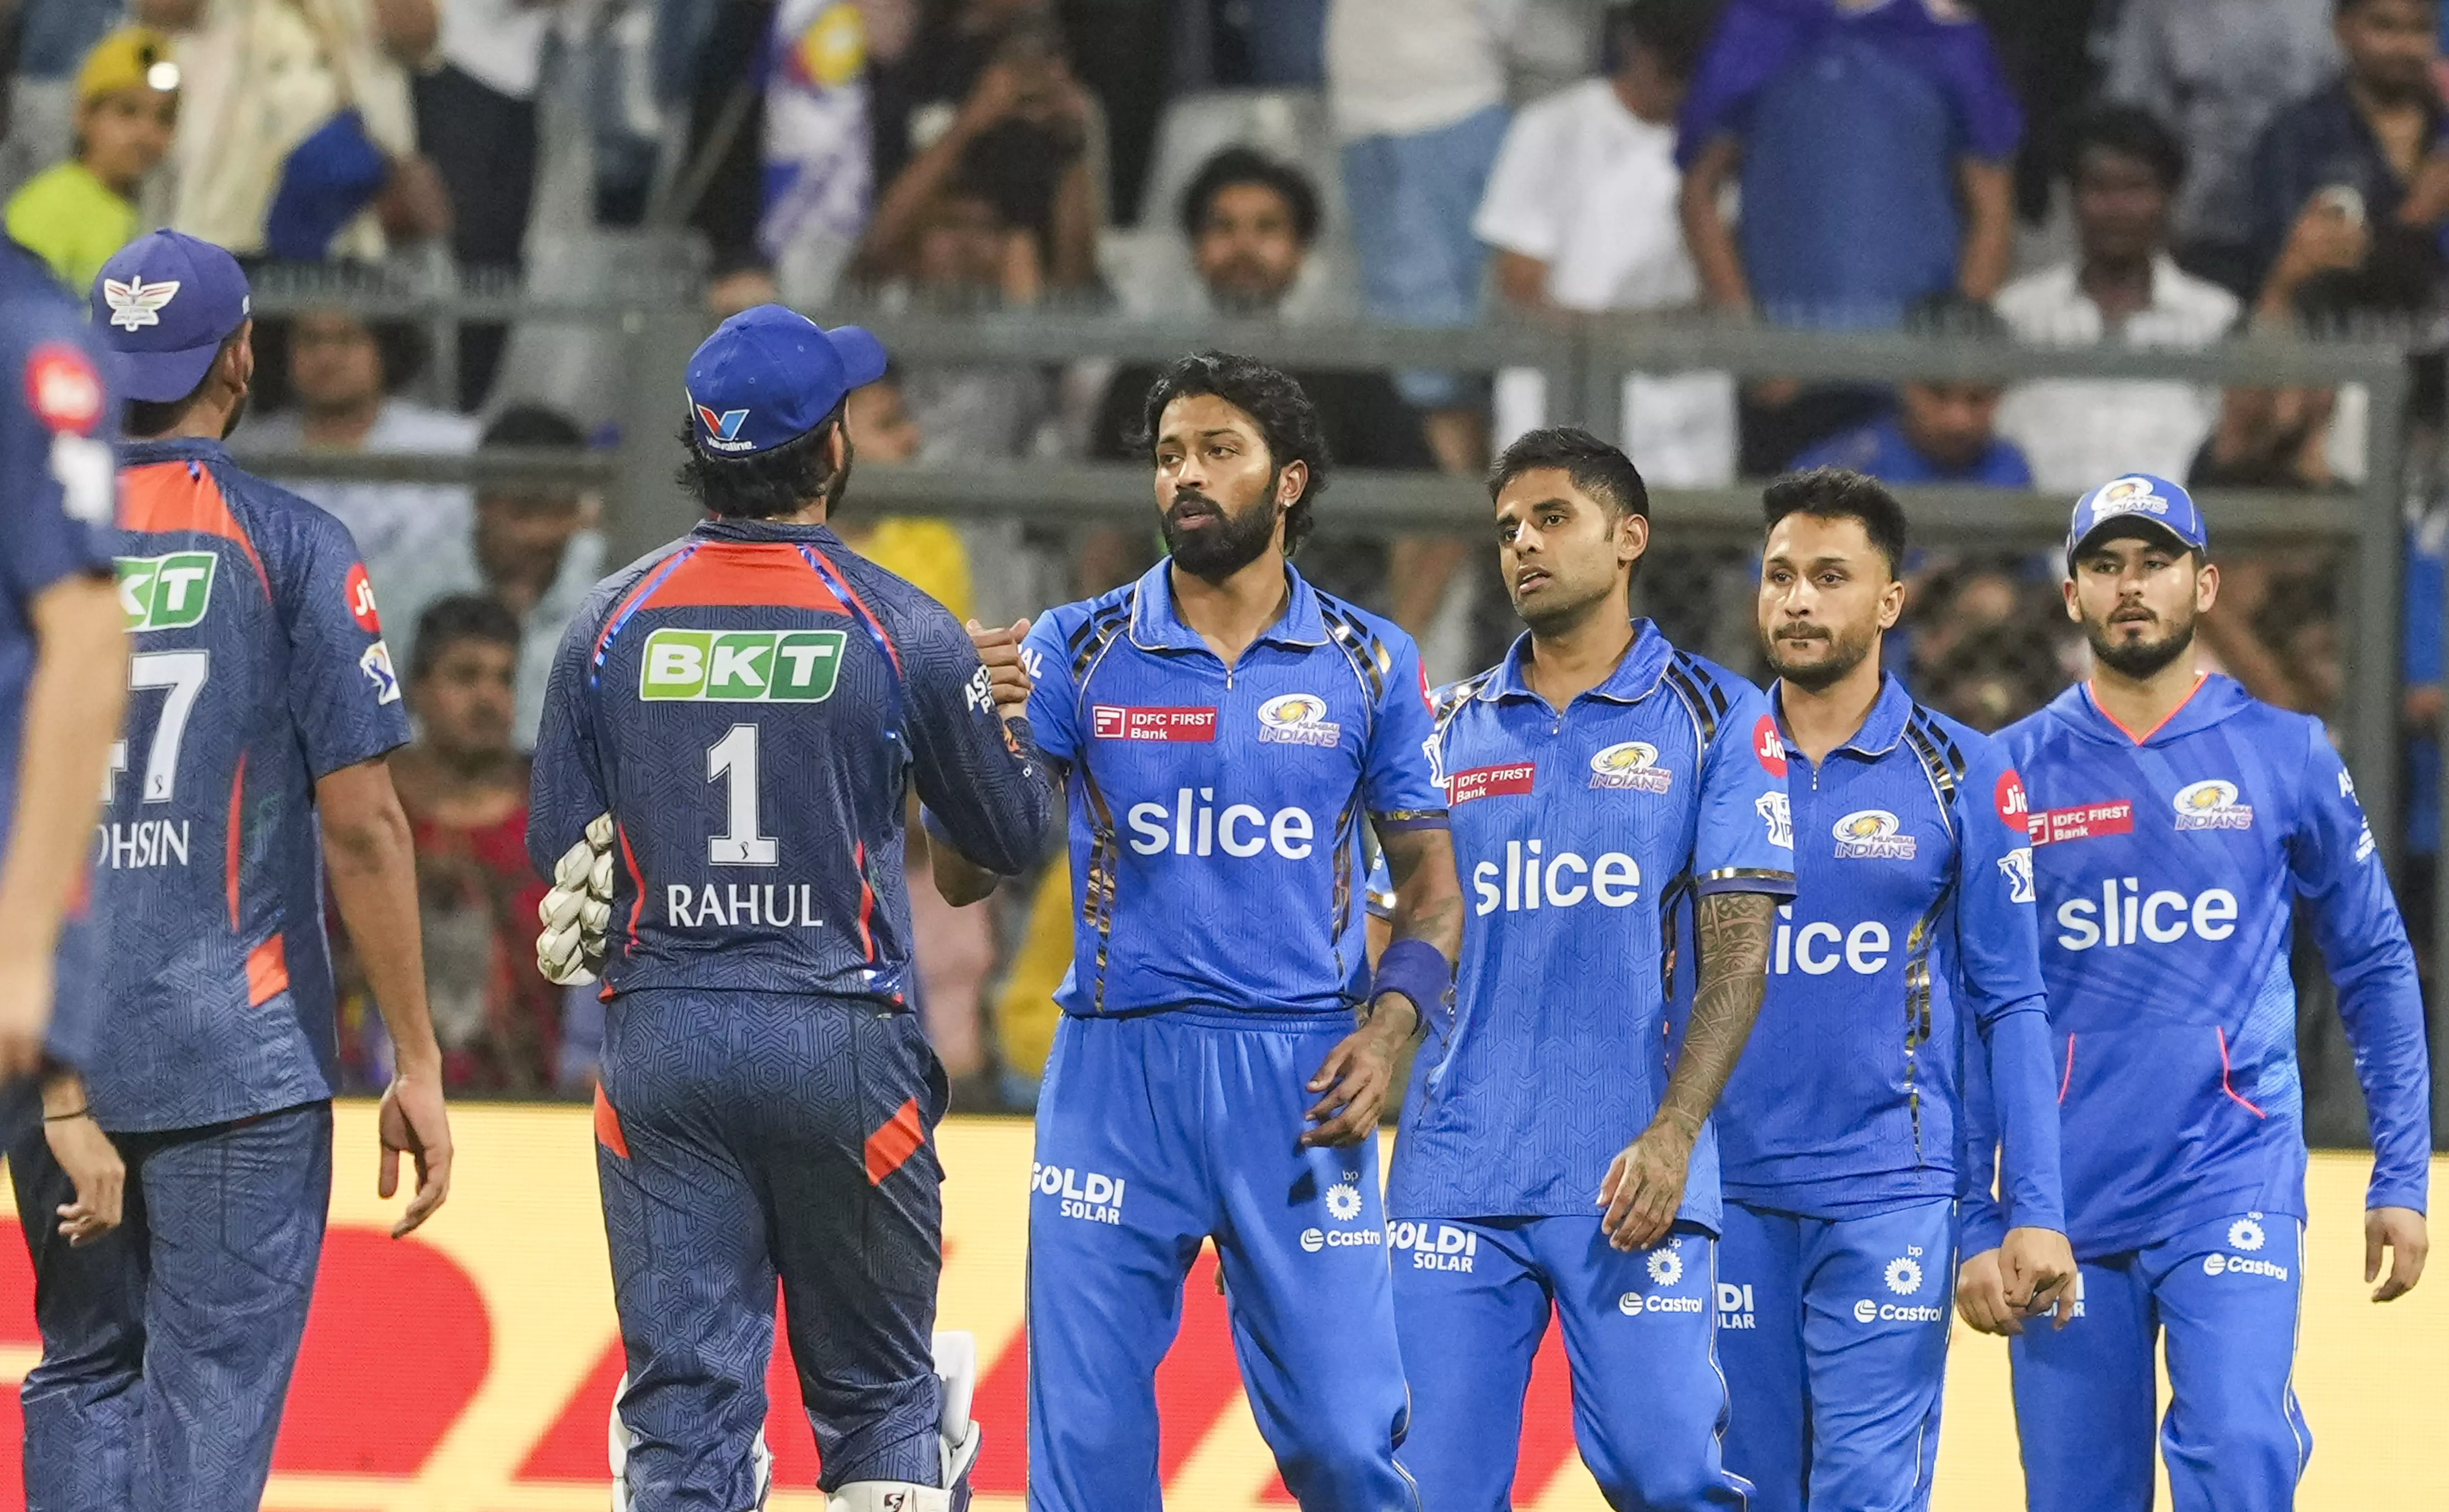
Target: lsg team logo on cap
point(137, 304)
point(722, 430)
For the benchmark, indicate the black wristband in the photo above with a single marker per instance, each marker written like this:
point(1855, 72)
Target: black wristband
point(64, 1118)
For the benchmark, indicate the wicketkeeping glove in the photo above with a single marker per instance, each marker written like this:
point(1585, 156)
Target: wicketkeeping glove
point(578, 910)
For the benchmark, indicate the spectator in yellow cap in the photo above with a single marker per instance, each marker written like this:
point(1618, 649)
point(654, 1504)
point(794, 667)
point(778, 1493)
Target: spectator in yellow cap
point(76, 214)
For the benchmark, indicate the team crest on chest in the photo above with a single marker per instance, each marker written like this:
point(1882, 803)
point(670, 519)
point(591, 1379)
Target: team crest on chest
point(1297, 718)
point(1872, 835)
point(2211, 804)
point(1630, 764)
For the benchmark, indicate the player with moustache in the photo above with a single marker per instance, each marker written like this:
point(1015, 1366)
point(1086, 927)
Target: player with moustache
point(2180, 828)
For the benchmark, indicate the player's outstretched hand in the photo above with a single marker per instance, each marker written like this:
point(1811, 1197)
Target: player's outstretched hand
point(1356, 1076)
point(2037, 1274)
point(1000, 651)
point(93, 1166)
point(2401, 1232)
point(412, 1121)
point(1981, 1296)
point(1644, 1186)
point(25, 1013)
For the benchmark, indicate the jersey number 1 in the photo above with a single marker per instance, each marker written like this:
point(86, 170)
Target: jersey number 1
point(744, 843)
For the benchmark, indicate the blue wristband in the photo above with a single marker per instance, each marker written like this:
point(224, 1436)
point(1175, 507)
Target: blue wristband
point(1417, 971)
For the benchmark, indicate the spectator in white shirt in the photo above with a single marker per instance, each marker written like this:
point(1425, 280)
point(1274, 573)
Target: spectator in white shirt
point(343, 375)
point(2125, 169)
point(1581, 214)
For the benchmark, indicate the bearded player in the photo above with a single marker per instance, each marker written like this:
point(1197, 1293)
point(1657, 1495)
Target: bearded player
point(2176, 826)
point(1910, 943)
point(1557, 1152)
point(1226, 1047)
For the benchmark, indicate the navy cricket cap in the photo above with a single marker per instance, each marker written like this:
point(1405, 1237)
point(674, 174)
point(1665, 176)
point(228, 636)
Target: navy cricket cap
point(770, 375)
point(2138, 499)
point(163, 306)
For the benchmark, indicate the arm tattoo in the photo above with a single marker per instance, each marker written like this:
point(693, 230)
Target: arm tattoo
point(1734, 937)
point(1428, 895)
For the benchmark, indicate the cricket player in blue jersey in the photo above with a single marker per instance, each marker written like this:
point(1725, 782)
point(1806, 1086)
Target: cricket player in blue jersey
point(731, 730)
point(2176, 825)
point(1557, 1152)
point(1225, 728)
point(1910, 941)
point(62, 683)
point(251, 773)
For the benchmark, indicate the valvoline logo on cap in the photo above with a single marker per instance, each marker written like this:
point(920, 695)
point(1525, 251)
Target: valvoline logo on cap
point(722, 430)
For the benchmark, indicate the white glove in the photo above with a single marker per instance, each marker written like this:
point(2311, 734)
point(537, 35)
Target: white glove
point(578, 911)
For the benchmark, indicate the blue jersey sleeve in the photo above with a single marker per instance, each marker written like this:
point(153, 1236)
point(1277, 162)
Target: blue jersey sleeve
point(1990, 122)
point(1977, 1157)
point(2332, 858)
point(58, 483)
point(344, 692)
point(1745, 838)
point(1399, 779)
point(1754, 40)
point(1998, 980)
point(566, 791)
point(981, 780)
point(1054, 699)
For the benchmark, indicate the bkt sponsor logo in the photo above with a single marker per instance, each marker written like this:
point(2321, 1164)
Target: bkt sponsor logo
point(1194, 826)
point(2243, 1265)
point(1436, 1246)
point(1086, 1195)
point(166, 592)
point(741, 666)
point(1819, 949)
point(2126, 914)
point(1735, 1308)
point(1561, 881)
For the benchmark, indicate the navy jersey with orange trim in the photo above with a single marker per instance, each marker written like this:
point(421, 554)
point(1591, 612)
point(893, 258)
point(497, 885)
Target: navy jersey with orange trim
point(753, 704)
point(55, 501)
point(257, 668)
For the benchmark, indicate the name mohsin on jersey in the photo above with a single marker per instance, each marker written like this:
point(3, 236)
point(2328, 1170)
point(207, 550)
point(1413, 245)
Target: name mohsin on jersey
point(740, 666)
point(141, 845)
point(737, 906)
point(1630, 764)
point(1297, 718)
point(2211, 804)
point(1871, 835)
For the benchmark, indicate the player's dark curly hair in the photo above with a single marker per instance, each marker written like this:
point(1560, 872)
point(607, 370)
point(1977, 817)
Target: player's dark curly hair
point(764, 485)
point(1597, 469)
point(1835, 493)
point(1239, 166)
point(1272, 400)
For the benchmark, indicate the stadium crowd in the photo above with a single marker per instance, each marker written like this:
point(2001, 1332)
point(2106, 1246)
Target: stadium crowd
point(2154, 172)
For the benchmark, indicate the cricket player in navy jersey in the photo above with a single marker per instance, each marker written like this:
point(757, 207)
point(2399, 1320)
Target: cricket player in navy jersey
point(1910, 941)
point(729, 737)
point(1225, 728)
point(62, 683)
point(1557, 1152)
point(2177, 824)
point(250, 774)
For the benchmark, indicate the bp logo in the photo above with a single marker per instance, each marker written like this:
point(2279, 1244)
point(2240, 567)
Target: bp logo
point(1905, 1275)
point(2211, 804)
point(1871, 834)
point(166, 592)
point(1630, 764)
point(1344, 1199)
point(1665, 1266)
point(2246, 1234)
point(1297, 718)
point(741, 666)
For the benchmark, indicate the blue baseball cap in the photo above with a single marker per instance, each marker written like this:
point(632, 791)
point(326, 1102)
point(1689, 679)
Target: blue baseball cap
point(2138, 499)
point(770, 375)
point(162, 305)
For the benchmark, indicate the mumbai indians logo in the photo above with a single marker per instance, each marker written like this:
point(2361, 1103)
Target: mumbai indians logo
point(2210, 804)
point(1630, 764)
point(2128, 496)
point(1297, 718)
point(1872, 833)
point(166, 592)
point(741, 666)
point(721, 430)
point(2246, 1234)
